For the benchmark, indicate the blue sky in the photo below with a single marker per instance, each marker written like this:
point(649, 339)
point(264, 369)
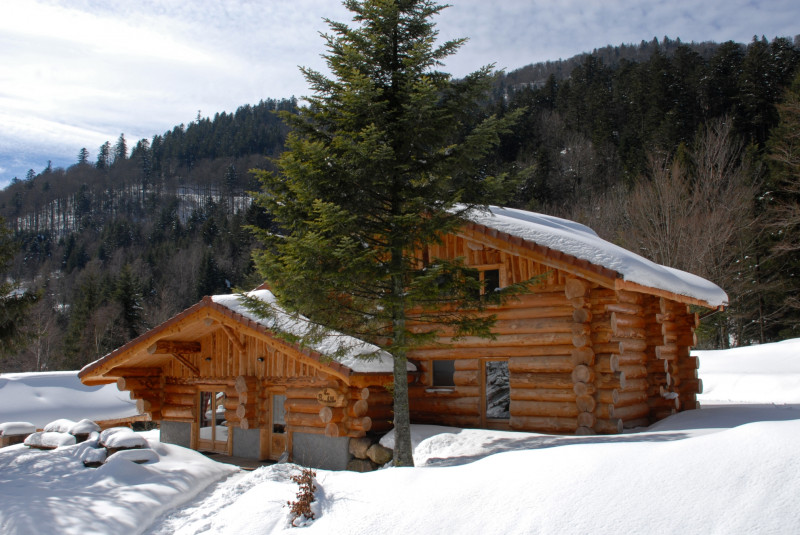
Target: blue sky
point(77, 73)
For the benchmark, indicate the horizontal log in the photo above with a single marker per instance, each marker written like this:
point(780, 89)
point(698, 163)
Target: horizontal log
point(130, 371)
point(667, 352)
point(171, 388)
point(608, 426)
point(511, 340)
point(311, 392)
point(445, 405)
point(543, 394)
point(509, 326)
point(620, 320)
point(608, 396)
point(230, 417)
point(559, 363)
point(661, 402)
point(660, 414)
point(579, 329)
point(694, 386)
point(631, 346)
point(629, 412)
point(307, 406)
point(171, 398)
point(625, 296)
point(231, 404)
point(581, 340)
point(631, 333)
point(306, 430)
point(543, 424)
point(304, 419)
point(633, 384)
point(466, 378)
point(625, 399)
point(467, 364)
point(178, 411)
point(583, 355)
point(138, 383)
point(607, 363)
point(611, 380)
point(564, 311)
point(543, 408)
point(625, 308)
point(610, 347)
point(626, 358)
point(380, 413)
point(541, 380)
point(490, 352)
point(634, 371)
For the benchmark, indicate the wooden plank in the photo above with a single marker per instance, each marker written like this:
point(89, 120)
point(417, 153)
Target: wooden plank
point(174, 346)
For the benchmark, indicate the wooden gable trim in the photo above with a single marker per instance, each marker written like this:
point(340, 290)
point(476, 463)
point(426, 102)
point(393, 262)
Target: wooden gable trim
point(607, 278)
point(94, 373)
point(228, 320)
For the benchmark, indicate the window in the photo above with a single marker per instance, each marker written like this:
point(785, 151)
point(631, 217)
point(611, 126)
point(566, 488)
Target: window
point(443, 371)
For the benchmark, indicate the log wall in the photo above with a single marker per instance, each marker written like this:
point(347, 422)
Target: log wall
point(582, 358)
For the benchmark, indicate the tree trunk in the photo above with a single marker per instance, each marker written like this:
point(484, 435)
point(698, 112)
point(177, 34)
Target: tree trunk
point(403, 452)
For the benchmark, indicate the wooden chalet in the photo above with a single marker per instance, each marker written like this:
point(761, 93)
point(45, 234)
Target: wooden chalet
point(601, 344)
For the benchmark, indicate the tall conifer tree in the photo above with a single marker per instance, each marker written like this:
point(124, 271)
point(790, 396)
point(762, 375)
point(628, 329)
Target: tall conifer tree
point(384, 159)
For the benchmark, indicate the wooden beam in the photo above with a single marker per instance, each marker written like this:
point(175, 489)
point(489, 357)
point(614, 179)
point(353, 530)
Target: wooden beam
point(621, 284)
point(173, 347)
point(233, 337)
point(129, 371)
point(186, 362)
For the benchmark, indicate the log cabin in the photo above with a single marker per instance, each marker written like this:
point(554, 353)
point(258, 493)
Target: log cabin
point(600, 344)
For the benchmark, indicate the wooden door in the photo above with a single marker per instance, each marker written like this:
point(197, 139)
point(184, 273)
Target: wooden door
point(277, 429)
point(211, 428)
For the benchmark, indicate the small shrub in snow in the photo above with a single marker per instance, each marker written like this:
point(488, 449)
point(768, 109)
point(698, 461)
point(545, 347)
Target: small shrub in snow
point(300, 510)
point(61, 425)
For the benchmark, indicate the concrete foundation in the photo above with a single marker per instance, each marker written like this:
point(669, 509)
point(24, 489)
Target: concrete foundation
point(178, 433)
point(246, 443)
point(319, 451)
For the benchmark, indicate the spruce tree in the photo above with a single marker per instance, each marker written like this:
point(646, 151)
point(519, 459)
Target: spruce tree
point(384, 159)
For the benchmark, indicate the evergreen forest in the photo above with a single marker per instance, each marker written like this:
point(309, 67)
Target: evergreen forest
point(686, 154)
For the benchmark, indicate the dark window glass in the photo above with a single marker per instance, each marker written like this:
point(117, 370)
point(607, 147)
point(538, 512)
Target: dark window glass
point(443, 372)
point(491, 280)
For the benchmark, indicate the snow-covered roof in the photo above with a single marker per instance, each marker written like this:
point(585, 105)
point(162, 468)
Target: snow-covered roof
point(583, 243)
point(359, 356)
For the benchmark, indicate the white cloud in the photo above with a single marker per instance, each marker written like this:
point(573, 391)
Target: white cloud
point(71, 68)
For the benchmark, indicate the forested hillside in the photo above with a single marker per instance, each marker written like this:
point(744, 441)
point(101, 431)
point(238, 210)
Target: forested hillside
point(686, 154)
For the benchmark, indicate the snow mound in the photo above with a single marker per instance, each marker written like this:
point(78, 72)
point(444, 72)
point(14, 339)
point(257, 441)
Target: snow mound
point(62, 425)
point(138, 456)
point(16, 428)
point(42, 397)
point(121, 437)
point(84, 427)
point(49, 439)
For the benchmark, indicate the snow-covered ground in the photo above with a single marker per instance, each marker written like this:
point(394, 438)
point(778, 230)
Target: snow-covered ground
point(40, 398)
point(730, 467)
